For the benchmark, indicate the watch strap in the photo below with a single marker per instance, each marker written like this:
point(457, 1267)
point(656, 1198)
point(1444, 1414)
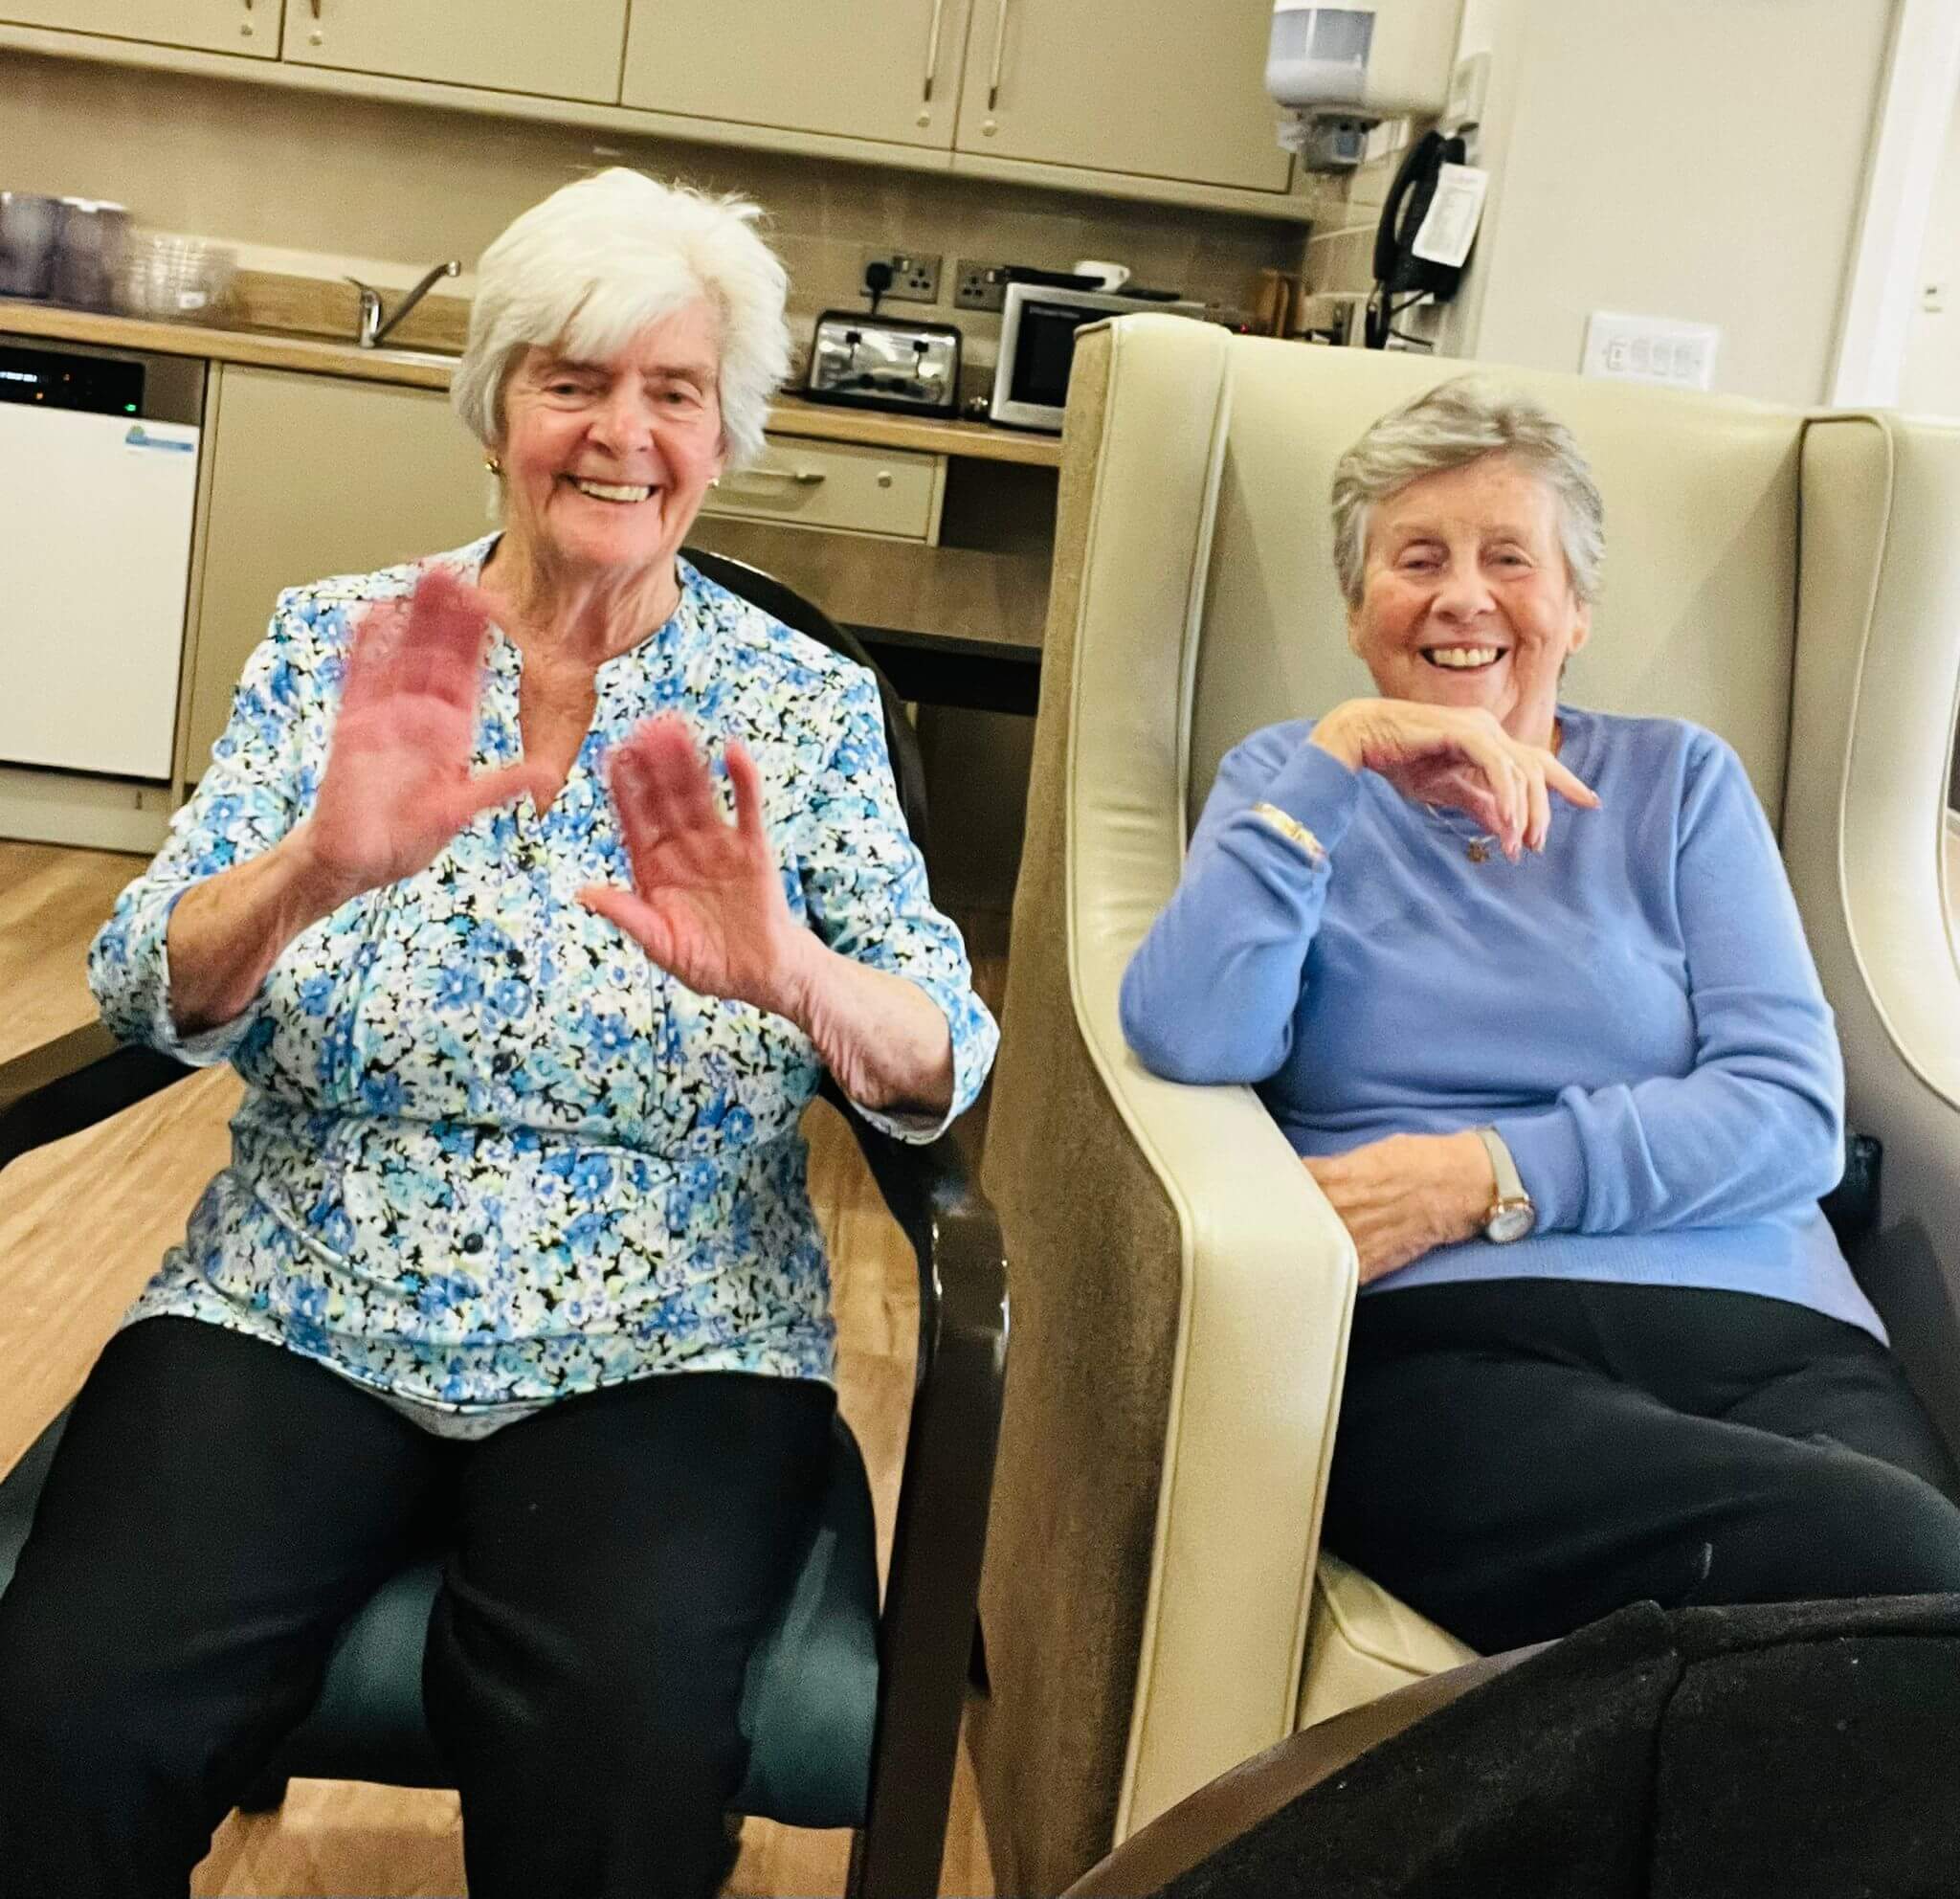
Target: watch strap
point(1511, 1214)
point(1509, 1186)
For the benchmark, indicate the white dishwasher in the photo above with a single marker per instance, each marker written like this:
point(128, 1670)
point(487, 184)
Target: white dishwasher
point(97, 490)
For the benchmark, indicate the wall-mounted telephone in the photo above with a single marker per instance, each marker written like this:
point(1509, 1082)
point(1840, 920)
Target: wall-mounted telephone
point(1402, 278)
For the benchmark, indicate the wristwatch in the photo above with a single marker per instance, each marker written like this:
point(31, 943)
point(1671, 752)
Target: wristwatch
point(1511, 1215)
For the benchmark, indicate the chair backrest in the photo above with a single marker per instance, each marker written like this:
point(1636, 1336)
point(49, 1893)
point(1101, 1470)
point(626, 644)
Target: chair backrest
point(789, 606)
point(1699, 612)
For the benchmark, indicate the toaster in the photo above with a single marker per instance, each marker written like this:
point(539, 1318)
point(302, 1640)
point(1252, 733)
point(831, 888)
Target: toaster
point(879, 362)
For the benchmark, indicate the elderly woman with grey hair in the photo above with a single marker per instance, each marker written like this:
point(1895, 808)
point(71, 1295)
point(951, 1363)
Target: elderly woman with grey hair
point(514, 1250)
point(1525, 987)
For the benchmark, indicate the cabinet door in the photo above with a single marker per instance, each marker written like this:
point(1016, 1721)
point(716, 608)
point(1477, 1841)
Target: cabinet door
point(250, 27)
point(1163, 91)
point(865, 69)
point(567, 50)
point(313, 475)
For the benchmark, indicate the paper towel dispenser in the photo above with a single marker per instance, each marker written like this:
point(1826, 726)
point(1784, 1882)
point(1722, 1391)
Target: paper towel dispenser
point(1340, 71)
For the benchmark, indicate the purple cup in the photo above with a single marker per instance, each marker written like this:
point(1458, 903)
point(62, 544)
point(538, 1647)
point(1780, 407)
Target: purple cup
point(29, 229)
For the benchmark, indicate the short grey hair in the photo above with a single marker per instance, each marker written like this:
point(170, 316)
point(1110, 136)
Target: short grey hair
point(600, 259)
point(1450, 426)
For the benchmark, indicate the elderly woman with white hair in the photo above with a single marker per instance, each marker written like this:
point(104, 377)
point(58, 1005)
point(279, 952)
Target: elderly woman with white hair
point(514, 1251)
point(1525, 986)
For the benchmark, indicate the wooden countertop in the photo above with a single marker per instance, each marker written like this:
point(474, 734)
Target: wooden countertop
point(423, 368)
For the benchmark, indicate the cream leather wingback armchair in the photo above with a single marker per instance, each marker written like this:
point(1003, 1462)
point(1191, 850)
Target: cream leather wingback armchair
point(1156, 1607)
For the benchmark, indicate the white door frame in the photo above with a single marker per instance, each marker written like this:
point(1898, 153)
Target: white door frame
point(1921, 86)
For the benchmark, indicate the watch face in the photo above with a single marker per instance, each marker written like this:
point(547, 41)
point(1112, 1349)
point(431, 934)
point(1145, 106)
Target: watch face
point(1511, 1222)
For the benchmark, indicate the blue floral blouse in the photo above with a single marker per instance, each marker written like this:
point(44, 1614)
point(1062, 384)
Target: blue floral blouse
point(489, 1155)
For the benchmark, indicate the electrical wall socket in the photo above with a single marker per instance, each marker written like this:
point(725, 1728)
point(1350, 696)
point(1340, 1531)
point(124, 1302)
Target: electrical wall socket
point(978, 287)
point(915, 274)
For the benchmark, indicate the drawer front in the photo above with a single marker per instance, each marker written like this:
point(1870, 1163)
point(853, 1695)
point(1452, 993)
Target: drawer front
point(834, 485)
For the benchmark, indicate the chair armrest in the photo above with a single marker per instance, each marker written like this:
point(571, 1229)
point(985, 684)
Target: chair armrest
point(927, 1629)
point(1269, 1283)
point(73, 1083)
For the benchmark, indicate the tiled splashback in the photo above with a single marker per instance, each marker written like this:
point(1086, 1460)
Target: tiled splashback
point(307, 182)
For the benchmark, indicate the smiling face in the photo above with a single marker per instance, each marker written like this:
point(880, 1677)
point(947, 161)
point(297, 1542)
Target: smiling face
point(605, 464)
point(1466, 598)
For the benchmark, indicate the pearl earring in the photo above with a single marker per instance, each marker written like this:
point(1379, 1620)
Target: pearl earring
point(491, 463)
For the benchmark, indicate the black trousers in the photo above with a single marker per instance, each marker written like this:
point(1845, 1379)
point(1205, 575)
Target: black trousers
point(1517, 1457)
point(218, 1506)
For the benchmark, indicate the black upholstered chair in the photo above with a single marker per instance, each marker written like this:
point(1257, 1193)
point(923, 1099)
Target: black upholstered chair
point(853, 1714)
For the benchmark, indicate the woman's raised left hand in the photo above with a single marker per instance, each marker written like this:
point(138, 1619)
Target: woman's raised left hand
point(1404, 1194)
point(707, 902)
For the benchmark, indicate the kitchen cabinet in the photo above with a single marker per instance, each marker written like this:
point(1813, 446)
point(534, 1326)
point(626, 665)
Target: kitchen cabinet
point(865, 69)
point(311, 475)
point(251, 27)
point(1161, 92)
point(568, 50)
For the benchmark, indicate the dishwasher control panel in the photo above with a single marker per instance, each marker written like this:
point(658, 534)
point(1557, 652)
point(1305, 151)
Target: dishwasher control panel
point(57, 379)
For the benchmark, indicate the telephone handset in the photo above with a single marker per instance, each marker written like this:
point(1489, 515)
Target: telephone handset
point(1398, 271)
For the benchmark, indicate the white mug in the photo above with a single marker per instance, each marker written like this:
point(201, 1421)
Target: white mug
point(1109, 277)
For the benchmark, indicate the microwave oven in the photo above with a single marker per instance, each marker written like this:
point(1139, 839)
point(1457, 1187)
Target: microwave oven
point(1038, 344)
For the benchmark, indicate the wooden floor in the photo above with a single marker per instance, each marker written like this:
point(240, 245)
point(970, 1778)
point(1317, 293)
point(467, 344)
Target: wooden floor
point(81, 1227)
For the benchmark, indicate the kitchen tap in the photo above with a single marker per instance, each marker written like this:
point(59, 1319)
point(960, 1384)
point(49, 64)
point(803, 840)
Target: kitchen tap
point(374, 332)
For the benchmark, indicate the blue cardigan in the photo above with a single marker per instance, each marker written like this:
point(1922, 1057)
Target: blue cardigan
point(1635, 1010)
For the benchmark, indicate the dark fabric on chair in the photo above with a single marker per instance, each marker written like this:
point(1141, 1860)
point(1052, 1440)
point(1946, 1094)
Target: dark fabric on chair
point(1239, 1801)
point(1798, 1750)
point(807, 1709)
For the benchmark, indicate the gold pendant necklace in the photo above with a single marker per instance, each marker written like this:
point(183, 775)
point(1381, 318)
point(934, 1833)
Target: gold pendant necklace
point(1478, 848)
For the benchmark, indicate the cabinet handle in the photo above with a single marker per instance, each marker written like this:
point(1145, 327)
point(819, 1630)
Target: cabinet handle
point(804, 477)
point(932, 48)
point(999, 47)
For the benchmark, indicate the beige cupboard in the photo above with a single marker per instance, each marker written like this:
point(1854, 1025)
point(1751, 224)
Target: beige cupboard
point(311, 475)
point(567, 50)
point(865, 69)
point(1162, 91)
point(1141, 92)
point(250, 27)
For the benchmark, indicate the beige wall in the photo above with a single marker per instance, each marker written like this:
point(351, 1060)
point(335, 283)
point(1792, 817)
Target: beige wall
point(1700, 159)
point(1930, 381)
point(350, 182)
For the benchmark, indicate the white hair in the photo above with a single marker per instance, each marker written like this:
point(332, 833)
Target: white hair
point(1450, 426)
point(597, 261)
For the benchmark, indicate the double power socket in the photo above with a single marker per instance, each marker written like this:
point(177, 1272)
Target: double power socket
point(916, 277)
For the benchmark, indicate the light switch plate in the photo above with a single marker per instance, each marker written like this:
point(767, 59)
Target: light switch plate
point(1662, 350)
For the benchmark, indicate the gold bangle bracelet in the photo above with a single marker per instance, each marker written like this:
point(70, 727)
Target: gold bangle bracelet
point(1291, 829)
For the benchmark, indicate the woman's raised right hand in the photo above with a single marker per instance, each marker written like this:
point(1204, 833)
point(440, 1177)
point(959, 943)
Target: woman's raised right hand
point(397, 785)
point(1456, 756)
